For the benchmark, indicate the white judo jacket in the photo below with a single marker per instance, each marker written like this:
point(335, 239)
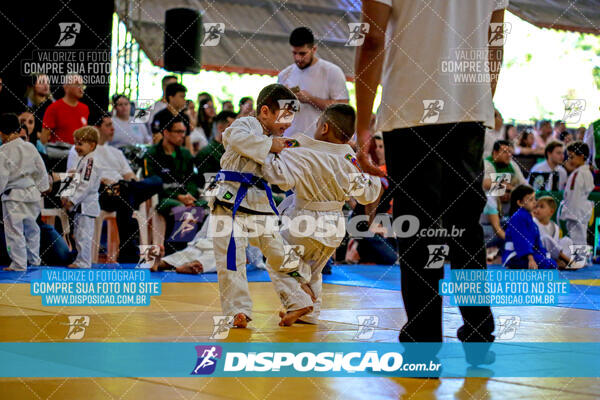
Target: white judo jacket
point(246, 148)
point(22, 172)
point(323, 176)
point(85, 187)
point(575, 204)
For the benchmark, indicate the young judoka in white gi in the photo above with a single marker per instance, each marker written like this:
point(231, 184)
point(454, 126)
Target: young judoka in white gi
point(576, 209)
point(323, 173)
point(559, 248)
point(81, 196)
point(23, 178)
point(242, 194)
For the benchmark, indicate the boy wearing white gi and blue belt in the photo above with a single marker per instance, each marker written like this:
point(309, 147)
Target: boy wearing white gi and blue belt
point(22, 180)
point(241, 195)
point(323, 173)
point(82, 196)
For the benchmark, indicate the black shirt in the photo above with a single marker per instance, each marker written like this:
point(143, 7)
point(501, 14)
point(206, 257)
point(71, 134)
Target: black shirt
point(163, 117)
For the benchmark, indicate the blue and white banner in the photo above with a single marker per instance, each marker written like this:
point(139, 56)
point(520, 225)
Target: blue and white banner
point(357, 359)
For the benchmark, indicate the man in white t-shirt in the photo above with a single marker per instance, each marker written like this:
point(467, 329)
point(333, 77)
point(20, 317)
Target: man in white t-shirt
point(555, 155)
point(433, 125)
point(317, 83)
point(120, 191)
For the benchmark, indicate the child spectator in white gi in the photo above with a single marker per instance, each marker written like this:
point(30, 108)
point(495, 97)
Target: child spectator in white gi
point(324, 173)
point(576, 209)
point(22, 180)
point(559, 248)
point(242, 194)
point(82, 196)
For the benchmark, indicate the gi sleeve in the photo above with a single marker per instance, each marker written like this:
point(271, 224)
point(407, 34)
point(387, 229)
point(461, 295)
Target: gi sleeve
point(521, 240)
point(371, 191)
point(278, 171)
point(40, 175)
point(243, 138)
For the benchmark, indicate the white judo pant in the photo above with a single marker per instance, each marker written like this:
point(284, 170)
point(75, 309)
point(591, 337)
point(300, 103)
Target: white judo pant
point(556, 246)
point(233, 285)
point(22, 233)
point(577, 231)
point(314, 255)
point(83, 232)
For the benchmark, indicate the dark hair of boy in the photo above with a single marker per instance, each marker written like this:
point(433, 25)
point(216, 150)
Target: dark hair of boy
point(271, 94)
point(174, 88)
point(302, 36)
point(9, 123)
point(579, 148)
point(518, 194)
point(223, 116)
point(341, 119)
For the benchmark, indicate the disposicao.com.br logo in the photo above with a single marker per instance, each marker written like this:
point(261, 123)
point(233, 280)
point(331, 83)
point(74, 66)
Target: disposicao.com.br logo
point(318, 362)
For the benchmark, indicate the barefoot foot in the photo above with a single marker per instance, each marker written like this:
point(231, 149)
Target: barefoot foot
point(288, 319)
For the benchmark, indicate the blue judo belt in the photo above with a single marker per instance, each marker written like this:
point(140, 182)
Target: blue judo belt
point(246, 180)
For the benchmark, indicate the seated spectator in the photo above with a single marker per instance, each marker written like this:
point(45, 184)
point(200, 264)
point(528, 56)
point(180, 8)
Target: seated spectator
point(246, 107)
point(198, 138)
point(566, 137)
point(559, 128)
point(176, 103)
point(525, 144)
point(206, 115)
point(559, 248)
point(493, 135)
point(511, 134)
point(542, 135)
point(172, 162)
point(27, 120)
point(501, 162)
point(523, 247)
point(493, 220)
point(556, 174)
point(162, 103)
point(120, 191)
point(65, 115)
point(37, 99)
point(209, 158)
point(127, 132)
point(227, 105)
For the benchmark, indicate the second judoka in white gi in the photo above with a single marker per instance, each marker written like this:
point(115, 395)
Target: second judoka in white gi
point(323, 173)
point(22, 180)
point(81, 196)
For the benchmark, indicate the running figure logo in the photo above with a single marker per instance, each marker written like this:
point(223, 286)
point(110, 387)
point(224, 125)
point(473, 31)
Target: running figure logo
point(366, 326)
point(221, 326)
point(68, 33)
point(431, 111)
point(579, 255)
point(499, 182)
point(143, 111)
point(77, 325)
point(358, 31)
point(287, 110)
point(507, 326)
point(212, 33)
point(437, 255)
point(573, 110)
point(207, 359)
point(188, 223)
point(498, 33)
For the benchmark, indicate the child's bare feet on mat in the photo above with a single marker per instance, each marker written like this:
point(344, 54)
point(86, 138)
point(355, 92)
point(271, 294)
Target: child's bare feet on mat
point(193, 268)
point(240, 320)
point(288, 318)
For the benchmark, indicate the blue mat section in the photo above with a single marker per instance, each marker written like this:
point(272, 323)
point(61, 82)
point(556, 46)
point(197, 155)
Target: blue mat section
point(372, 276)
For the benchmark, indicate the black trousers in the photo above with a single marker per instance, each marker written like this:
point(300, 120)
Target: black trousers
point(436, 172)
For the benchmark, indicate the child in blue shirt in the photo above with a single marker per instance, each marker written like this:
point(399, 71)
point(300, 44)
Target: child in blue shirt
point(523, 247)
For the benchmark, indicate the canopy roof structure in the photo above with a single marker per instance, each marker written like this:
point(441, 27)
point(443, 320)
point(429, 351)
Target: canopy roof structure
point(257, 31)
